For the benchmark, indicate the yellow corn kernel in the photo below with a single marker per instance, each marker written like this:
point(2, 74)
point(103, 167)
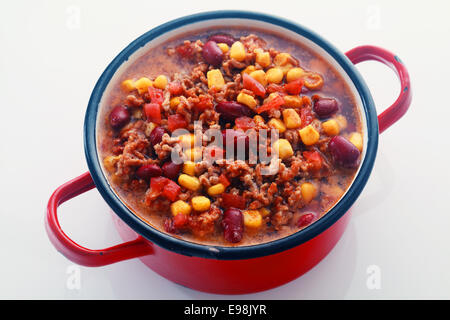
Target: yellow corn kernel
point(284, 148)
point(249, 69)
point(128, 85)
point(309, 191)
point(294, 74)
point(110, 161)
point(252, 218)
point(282, 59)
point(189, 182)
point(189, 168)
point(277, 124)
point(174, 102)
point(331, 127)
point(216, 189)
point(180, 206)
point(258, 119)
point(356, 139)
point(160, 82)
point(342, 121)
point(293, 101)
point(187, 140)
point(224, 47)
point(246, 99)
point(262, 57)
point(194, 154)
point(237, 51)
point(215, 79)
point(142, 84)
point(274, 75)
point(260, 76)
point(201, 203)
point(264, 212)
point(291, 119)
point(309, 135)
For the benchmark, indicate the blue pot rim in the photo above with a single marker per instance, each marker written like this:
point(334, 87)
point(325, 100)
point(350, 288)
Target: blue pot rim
point(187, 248)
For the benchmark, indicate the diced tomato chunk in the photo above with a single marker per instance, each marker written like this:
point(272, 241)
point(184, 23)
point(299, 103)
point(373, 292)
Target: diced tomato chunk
point(156, 95)
point(175, 88)
point(166, 187)
point(176, 121)
point(153, 112)
point(171, 190)
point(224, 180)
point(275, 103)
point(157, 185)
point(230, 200)
point(244, 123)
point(314, 159)
point(294, 87)
point(253, 85)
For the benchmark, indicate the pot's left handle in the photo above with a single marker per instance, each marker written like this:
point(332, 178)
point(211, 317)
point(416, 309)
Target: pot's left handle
point(73, 251)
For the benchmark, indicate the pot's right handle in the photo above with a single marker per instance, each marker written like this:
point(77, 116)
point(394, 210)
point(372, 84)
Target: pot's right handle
point(73, 251)
point(401, 105)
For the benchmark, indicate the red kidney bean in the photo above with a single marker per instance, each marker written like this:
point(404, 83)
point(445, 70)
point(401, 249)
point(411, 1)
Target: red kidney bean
point(171, 170)
point(325, 107)
point(230, 110)
point(344, 152)
point(156, 135)
point(222, 38)
point(305, 219)
point(233, 225)
point(212, 53)
point(148, 171)
point(119, 117)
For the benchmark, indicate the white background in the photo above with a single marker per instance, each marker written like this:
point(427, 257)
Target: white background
point(49, 66)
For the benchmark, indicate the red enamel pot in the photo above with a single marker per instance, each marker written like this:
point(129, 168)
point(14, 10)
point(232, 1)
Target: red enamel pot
point(215, 269)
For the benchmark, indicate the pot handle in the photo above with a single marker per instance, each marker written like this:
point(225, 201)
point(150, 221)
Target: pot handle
point(76, 253)
point(401, 105)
